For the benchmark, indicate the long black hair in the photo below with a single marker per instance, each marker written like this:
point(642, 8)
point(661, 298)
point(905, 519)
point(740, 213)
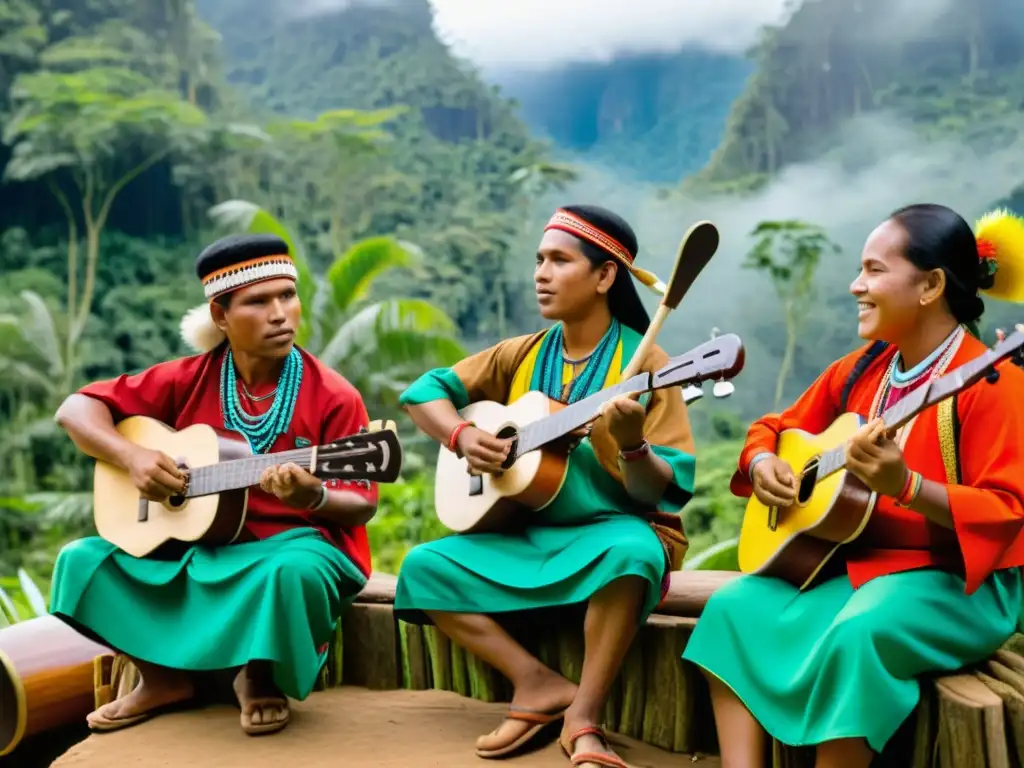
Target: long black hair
point(939, 238)
point(623, 300)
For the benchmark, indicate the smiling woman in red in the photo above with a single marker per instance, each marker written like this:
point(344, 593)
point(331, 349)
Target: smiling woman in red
point(934, 581)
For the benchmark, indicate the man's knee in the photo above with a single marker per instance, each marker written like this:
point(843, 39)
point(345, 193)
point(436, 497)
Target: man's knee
point(302, 570)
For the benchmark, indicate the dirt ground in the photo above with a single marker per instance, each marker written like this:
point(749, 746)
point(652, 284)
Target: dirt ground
point(347, 726)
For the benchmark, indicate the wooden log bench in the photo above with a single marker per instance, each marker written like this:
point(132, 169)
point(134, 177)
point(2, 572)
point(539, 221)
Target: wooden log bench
point(973, 719)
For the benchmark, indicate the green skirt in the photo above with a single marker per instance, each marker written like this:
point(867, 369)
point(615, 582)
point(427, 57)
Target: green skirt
point(834, 662)
point(575, 546)
point(275, 600)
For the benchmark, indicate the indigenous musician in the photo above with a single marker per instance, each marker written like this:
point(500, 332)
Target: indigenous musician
point(267, 604)
point(594, 543)
point(934, 582)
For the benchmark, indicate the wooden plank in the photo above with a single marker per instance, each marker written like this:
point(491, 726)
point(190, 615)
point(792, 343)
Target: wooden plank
point(668, 714)
point(415, 669)
point(370, 656)
point(689, 591)
point(1013, 701)
point(971, 730)
point(379, 588)
point(439, 655)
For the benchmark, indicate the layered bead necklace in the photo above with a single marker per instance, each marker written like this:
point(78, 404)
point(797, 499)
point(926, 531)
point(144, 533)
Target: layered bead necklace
point(261, 431)
point(548, 376)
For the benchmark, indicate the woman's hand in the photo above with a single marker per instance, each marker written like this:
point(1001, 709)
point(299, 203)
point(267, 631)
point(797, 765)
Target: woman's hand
point(774, 482)
point(876, 460)
point(484, 452)
point(626, 419)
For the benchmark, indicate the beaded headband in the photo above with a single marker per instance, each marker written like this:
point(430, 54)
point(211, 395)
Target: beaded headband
point(574, 225)
point(248, 272)
point(583, 229)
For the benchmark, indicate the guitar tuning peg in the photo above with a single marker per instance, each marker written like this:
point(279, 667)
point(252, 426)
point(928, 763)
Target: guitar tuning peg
point(692, 394)
point(723, 388)
point(714, 332)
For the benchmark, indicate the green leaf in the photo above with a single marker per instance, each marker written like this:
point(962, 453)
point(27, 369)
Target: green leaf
point(723, 556)
point(32, 593)
point(7, 607)
point(352, 273)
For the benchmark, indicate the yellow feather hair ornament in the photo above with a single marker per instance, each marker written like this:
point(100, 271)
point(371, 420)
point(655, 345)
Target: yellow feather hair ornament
point(1000, 236)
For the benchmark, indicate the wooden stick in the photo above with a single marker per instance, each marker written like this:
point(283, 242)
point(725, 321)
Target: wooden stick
point(695, 250)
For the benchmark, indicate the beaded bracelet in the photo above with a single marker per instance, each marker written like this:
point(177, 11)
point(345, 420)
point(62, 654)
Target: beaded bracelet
point(910, 491)
point(454, 436)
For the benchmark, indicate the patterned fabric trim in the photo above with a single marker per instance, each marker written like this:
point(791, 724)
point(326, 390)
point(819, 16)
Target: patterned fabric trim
point(247, 273)
point(577, 226)
point(947, 440)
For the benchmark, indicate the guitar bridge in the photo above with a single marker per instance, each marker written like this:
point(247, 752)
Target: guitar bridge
point(476, 485)
point(143, 509)
point(773, 518)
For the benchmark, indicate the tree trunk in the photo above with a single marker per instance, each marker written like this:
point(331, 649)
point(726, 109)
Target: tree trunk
point(787, 357)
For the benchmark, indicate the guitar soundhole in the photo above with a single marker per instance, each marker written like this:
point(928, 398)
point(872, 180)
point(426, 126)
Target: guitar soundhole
point(509, 433)
point(178, 500)
point(808, 479)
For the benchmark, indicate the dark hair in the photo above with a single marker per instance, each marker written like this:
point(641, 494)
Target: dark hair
point(623, 300)
point(939, 238)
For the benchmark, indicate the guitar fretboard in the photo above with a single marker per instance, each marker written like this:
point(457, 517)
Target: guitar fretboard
point(241, 473)
point(541, 432)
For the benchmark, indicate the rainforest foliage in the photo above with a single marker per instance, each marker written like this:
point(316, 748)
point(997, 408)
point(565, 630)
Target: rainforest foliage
point(135, 132)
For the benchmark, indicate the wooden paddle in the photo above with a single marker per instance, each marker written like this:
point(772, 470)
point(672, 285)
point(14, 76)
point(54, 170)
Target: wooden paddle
point(695, 251)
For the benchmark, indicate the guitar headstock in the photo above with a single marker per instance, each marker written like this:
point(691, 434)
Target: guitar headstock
point(372, 456)
point(720, 358)
point(1011, 346)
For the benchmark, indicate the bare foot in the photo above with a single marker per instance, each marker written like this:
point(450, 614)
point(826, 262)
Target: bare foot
point(264, 707)
point(158, 688)
point(547, 692)
point(593, 742)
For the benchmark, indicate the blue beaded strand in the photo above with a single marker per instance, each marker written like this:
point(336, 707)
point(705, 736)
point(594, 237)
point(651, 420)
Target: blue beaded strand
point(261, 431)
point(551, 362)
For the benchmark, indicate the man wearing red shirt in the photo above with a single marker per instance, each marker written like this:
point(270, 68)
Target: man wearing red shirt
point(268, 603)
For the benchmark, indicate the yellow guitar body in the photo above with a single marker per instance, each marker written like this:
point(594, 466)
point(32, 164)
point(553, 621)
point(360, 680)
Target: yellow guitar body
point(795, 542)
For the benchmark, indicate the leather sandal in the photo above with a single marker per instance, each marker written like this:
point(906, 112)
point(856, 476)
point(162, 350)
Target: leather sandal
point(538, 721)
point(606, 759)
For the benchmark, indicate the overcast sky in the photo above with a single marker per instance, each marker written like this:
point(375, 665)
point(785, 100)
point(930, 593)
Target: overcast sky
point(538, 33)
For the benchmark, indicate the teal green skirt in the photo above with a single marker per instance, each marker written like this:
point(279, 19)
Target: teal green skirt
point(834, 662)
point(274, 600)
point(541, 567)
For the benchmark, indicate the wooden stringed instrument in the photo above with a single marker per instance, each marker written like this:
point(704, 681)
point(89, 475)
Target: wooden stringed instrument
point(220, 469)
point(534, 470)
point(833, 506)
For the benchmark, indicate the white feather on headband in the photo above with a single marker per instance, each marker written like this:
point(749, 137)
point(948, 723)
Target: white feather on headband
point(198, 329)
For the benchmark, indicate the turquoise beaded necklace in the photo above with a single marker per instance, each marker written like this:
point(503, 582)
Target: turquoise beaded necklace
point(547, 375)
point(261, 431)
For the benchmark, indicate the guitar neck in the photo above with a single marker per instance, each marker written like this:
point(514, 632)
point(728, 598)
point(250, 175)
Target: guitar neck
point(561, 423)
point(922, 398)
point(241, 473)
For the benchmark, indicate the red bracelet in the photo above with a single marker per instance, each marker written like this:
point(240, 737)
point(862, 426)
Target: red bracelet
point(453, 438)
point(911, 491)
point(907, 484)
